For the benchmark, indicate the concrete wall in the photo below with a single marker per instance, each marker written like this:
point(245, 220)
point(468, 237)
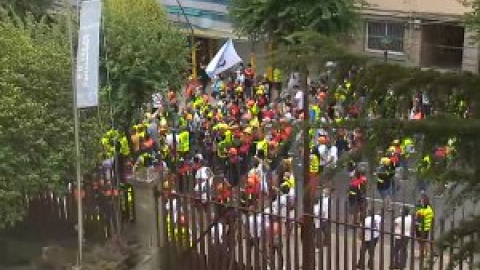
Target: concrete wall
point(471, 53)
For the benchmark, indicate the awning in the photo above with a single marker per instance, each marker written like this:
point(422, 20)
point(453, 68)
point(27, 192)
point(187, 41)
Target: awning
point(213, 33)
point(208, 32)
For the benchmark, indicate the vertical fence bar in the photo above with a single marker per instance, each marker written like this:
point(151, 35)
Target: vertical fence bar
point(201, 217)
point(430, 243)
point(462, 240)
point(354, 245)
point(320, 237)
point(330, 226)
point(392, 235)
point(450, 250)
point(238, 232)
point(337, 233)
point(257, 234)
point(346, 265)
point(382, 239)
point(288, 234)
point(413, 240)
point(193, 229)
point(264, 234)
point(441, 250)
point(296, 246)
point(249, 240)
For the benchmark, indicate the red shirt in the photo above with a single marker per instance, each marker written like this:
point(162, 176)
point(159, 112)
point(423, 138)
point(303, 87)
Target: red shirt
point(269, 114)
point(249, 73)
point(358, 181)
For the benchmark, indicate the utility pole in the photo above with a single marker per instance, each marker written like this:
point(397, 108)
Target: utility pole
point(307, 226)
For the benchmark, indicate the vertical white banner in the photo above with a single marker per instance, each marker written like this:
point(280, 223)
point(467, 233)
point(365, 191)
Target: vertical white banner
point(88, 54)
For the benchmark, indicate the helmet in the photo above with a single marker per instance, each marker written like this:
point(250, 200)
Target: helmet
point(385, 161)
point(322, 139)
point(396, 142)
point(250, 103)
point(252, 180)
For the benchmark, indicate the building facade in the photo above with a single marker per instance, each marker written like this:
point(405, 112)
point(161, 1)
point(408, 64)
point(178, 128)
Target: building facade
point(424, 33)
point(211, 27)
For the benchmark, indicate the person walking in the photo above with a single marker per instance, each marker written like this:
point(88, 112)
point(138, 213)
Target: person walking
point(322, 224)
point(403, 232)
point(370, 237)
point(423, 224)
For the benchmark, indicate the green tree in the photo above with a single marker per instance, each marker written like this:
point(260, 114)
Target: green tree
point(36, 123)
point(37, 8)
point(143, 52)
point(276, 19)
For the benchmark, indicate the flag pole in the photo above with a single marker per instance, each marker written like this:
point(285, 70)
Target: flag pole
point(77, 142)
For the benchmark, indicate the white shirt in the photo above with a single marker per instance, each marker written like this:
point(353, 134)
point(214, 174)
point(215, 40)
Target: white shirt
point(169, 139)
point(204, 176)
point(281, 205)
point(204, 173)
point(299, 99)
point(407, 226)
point(333, 155)
point(323, 151)
point(372, 226)
point(320, 210)
point(256, 220)
point(217, 229)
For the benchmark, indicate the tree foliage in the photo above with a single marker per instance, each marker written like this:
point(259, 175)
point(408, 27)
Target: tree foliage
point(276, 19)
point(455, 101)
point(143, 52)
point(36, 127)
point(38, 8)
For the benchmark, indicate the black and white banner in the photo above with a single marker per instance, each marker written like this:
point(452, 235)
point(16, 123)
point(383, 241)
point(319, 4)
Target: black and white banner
point(88, 54)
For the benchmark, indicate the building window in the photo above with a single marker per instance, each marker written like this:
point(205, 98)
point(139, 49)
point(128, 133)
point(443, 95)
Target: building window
point(383, 36)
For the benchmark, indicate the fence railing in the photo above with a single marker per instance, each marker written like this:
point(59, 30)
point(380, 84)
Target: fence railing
point(208, 233)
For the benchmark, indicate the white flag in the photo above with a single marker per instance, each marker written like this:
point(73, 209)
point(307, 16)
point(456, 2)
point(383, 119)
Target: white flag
point(226, 58)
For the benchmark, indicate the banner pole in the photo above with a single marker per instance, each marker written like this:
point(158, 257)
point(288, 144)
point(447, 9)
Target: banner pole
point(77, 145)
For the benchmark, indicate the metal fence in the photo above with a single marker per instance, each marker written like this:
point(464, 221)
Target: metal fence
point(208, 233)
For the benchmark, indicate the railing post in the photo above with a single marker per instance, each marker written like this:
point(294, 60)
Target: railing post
point(146, 223)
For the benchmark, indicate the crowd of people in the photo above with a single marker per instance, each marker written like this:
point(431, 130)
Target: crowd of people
point(239, 135)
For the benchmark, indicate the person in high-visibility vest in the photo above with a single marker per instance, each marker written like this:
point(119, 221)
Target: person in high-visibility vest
point(385, 180)
point(184, 142)
point(262, 148)
point(314, 170)
point(408, 147)
point(424, 221)
point(277, 80)
point(423, 169)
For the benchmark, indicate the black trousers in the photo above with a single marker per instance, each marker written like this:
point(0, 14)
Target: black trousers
point(399, 256)
point(367, 246)
point(323, 234)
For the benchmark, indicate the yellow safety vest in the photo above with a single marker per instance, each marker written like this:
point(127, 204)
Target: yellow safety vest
point(289, 183)
point(427, 215)
point(277, 75)
point(263, 145)
point(314, 163)
point(228, 136)
point(184, 141)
